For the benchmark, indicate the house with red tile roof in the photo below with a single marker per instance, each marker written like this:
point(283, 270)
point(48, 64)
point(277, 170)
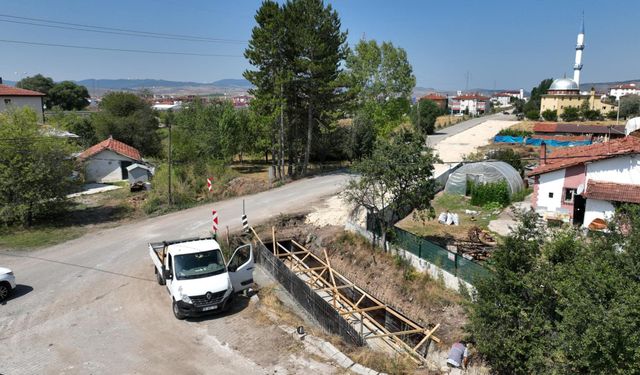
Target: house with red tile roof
point(108, 160)
point(582, 184)
point(472, 104)
point(13, 97)
point(439, 99)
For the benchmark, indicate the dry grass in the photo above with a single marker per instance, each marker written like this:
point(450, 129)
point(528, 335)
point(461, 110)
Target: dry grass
point(453, 203)
point(383, 362)
point(448, 120)
point(269, 300)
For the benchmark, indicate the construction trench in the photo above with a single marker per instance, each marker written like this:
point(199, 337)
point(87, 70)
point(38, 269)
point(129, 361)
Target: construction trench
point(340, 306)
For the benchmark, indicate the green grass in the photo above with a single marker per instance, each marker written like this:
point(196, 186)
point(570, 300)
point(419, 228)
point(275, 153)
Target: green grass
point(455, 204)
point(37, 237)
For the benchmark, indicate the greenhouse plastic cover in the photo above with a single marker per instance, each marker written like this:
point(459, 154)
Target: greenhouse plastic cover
point(483, 172)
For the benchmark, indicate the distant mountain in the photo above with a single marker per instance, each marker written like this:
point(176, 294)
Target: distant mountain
point(604, 86)
point(151, 83)
point(239, 83)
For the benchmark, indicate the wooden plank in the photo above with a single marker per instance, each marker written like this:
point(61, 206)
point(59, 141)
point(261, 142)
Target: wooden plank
point(337, 287)
point(273, 234)
point(365, 309)
point(426, 337)
point(333, 280)
point(305, 270)
point(291, 253)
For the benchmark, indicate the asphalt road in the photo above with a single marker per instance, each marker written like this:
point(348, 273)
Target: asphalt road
point(441, 134)
point(91, 305)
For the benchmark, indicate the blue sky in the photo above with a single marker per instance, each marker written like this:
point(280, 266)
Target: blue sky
point(502, 44)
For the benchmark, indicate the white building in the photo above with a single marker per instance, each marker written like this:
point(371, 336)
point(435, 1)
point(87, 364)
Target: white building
point(472, 104)
point(108, 160)
point(622, 90)
point(581, 184)
point(13, 97)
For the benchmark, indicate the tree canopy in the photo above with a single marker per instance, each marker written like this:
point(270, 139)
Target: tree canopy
point(38, 83)
point(297, 49)
point(35, 170)
point(630, 106)
point(396, 178)
point(424, 114)
point(381, 80)
point(129, 119)
point(564, 303)
point(535, 99)
point(68, 96)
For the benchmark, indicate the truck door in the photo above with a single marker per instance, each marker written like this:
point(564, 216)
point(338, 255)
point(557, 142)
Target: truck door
point(241, 267)
point(168, 259)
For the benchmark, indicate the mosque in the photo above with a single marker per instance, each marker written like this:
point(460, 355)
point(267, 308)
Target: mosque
point(565, 92)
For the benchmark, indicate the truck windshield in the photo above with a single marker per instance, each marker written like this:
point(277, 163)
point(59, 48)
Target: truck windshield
point(197, 265)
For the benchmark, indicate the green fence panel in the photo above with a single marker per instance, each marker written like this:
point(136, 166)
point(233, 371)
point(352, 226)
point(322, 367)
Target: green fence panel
point(453, 263)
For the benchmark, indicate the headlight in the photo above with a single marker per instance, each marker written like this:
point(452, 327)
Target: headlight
point(186, 299)
point(10, 273)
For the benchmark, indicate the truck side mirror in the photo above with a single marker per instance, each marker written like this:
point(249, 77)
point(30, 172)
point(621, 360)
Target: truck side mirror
point(167, 274)
point(232, 268)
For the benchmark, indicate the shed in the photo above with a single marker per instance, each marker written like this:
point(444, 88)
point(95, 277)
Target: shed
point(138, 173)
point(483, 172)
point(108, 160)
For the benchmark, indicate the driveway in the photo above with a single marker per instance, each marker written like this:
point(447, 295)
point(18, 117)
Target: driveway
point(91, 305)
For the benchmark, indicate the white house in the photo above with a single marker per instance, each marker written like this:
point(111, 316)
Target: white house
point(624, 89)
point(470, 103)
point(581, 184)
point(108, 160)
point(13, 97)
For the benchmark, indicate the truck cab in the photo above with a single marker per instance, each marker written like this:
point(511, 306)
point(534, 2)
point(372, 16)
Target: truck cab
point(197, 277)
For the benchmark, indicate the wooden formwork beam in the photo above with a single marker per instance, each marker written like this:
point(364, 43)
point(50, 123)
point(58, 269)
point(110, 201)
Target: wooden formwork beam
point(426, 337)
point(364, 309)
point(291, 253)
point(337, 287)
point(331, 286)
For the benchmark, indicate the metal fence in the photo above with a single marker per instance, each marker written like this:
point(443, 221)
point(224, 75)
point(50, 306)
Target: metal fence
point(454, 263)
point(315, 305)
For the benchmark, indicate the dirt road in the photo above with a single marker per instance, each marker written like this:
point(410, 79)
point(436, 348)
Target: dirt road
point(91, 305)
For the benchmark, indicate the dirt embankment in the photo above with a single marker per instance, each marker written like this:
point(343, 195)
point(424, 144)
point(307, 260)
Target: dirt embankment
point(386, 277)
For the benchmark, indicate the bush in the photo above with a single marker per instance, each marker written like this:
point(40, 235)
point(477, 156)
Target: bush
point(188, 185)
point(592, 115)
point(491, 192)
point(515, 132)
point(508, 156)
point(612, 115)
point(532, 114)
point(570, 114)
point(550, 115)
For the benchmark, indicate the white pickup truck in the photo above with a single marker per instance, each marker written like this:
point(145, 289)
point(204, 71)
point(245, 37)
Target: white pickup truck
point(197, 277)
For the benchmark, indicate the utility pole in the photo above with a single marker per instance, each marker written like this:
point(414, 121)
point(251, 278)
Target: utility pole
point(168, 124)
point(618, 115)
point(281, 167)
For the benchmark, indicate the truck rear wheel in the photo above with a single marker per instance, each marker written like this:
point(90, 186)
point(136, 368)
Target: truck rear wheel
point(158, 276)
point(176, 311)
point(5, 290)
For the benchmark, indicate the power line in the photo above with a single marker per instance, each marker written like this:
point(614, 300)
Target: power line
point(148, 33)
point(116, 49)
point(125, 33)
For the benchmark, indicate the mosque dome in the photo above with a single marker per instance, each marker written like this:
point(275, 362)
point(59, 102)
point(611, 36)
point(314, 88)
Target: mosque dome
point(563, 84)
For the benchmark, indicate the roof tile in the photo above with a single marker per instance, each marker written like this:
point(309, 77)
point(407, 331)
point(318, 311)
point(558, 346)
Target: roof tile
point(14, 91)
point(113, 145)
point(611, 191)
point(566, 157)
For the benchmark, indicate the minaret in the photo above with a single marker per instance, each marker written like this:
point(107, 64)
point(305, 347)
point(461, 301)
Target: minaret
point(579, 47)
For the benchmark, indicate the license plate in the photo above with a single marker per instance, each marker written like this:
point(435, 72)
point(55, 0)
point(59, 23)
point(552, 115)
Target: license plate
point(209, 308)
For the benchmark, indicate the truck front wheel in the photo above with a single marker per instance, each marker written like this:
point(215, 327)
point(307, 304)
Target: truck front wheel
point(159, 276)
point(176, 311)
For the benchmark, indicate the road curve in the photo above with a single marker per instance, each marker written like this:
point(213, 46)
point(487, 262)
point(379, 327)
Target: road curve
point(91, 305)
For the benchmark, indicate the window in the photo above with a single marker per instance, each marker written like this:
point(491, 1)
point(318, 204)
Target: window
point(550, 195)
point(568, 195)
point(241, 256)
point(7, 101)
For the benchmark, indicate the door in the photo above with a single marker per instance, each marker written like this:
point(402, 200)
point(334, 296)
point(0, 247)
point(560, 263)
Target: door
point(123, 167)
point(241, 267)
point(579, 204)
